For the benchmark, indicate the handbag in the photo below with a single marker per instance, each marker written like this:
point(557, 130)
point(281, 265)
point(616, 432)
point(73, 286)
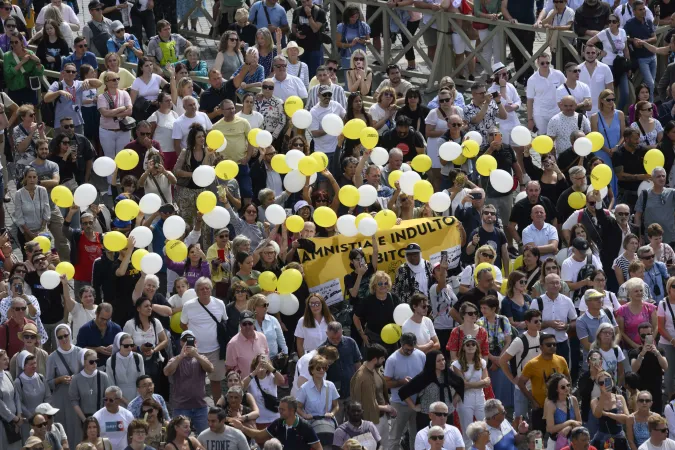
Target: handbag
point(127, 123)
point(271, 402)
point(12, 432)
point(621, 64)
point(221, 333)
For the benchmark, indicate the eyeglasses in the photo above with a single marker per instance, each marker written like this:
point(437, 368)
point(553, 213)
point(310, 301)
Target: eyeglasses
point(644, 400)
point(82, 46)
point(443, 100)
point(489, 213)
point(20, 308)
point(332, 69)
point(65, 142)
point(436, 438)
point(383, 283)
point(321, 368)
point(471, 313)
point(140, 432)
point(108, 400)
point(487, 255)
point(545, 63)
point(63, 336)
point(575, 70)
point(387, 94)
point(68, 127)
point(268, 87)
point(128, 345)
point(440, 414)
point(315, 304)
point(232, 39)
point(550, 344)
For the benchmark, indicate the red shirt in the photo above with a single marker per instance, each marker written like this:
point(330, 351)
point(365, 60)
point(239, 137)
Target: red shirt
point(11, 330)
point(87, 252)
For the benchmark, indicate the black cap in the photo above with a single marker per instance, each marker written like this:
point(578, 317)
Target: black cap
point(413, 248)
point(247, 316)
point(95, 4)
point(167, 208)
point(580, 244)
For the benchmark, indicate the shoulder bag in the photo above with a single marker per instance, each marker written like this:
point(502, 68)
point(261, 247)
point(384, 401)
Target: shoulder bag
point(271, 402)
point(621, 64)
point(127, 123)
point(221, 330)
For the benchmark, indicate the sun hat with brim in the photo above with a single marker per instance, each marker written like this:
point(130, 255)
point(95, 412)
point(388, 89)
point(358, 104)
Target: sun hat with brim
point(33, 442)
point(28, 328)
point(592, 294)
point(292, 44)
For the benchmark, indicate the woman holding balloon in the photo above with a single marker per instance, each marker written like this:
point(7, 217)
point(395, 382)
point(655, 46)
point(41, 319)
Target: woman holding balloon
point(192, 268)
point(376, 310)
point(610, 122)
point(355, 110)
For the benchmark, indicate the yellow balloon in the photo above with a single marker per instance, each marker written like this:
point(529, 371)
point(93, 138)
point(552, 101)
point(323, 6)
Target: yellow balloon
point(597, 139)
point(470, 148)
point(308, 166)
point(601, 175)
point(361, 217)
point(175, 323)
point(227, 170)
point(292, 104)
point(352, 129)
point(137, 256)
point(653, 159)
point(482, 266)
point(386, 219)
point(127, 209)
point(518, 263)
point(252, 135)
point(215, 139)
point(391, 333)
point(542, 144)
point(126, 159)
point(64, 267)
point(422, 191)
point(45, 243)
point(369, 137)
point(279, 164)
point(62, 196)
point(421, 163)
point(114, 241)
point(321, 159)
point(176, 250)
point(268, 281)
point(576, 200)
point(349, 195)
point(486, 164)
point(393, 177)
point(206, 201)
point(295, 224)
point(324, 216)
point(461, 159)
point(289, 281)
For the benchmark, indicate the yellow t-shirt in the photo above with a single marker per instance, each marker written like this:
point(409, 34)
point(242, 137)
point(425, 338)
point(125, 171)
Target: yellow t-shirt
point(539, 370)
point(235, 133)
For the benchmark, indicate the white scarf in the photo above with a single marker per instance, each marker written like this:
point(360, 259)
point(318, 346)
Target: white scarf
point(63, 326)
point(82, 372)
point(420, 275)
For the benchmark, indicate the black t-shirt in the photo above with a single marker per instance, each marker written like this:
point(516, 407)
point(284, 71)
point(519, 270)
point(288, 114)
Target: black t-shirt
point(376, 313)
point(211, 98)
point(407, 145)
point(418, 117)
point(123, 307)
point(520, 213)
point(632, 163)
point(50, 300)
point(58, 50)
point(494, 239)
point(246, 34)
point(650, 371)
point(473, 296)
point(312, 41)
point(667, 9)
point(300, 437)
point(505, 157)
point(67, 167)
point(350, 280)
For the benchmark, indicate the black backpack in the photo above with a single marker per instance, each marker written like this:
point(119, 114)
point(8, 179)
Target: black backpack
point(526, 350)
point(113, 363)
point(99, 38)
point(585, 272)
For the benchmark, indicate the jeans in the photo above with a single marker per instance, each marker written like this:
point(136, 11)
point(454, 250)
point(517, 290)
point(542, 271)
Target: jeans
point(244, 180)
point(648, 70)
point(669, 378)
point(313, 59)
point(521, 404)
point(198, 417)
point(623, 91)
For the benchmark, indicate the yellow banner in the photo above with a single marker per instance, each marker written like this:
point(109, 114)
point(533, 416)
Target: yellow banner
point(327, 266)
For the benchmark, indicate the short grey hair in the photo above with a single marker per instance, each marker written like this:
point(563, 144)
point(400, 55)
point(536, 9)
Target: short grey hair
point(334, 326)
point(475, 429)
point(264, 193)
point(238, 241)
point(435, 406)
point(236, 390)
point(436, 431)
point(395, 151)
point(644, 249)
point(115, 390)
point(273, 444)
point(658, 169)
point(152, 278)
point(492, 408)
point(19, 301)
point(577, 170)
point(203, 280)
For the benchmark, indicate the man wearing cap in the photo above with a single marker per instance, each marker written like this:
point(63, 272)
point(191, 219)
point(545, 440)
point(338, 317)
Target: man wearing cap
point(323, 76)
point(124, 44)
point(577, 268)
point(510, 99)
point(596, 312)
point(39, 428)
point(245, 345)
point(187, 373)
point(324, 142)
point(48, 411)
point(540, 234)
point(200, 315)
point(286, 85)
point(405, 138)
point(98, 30)
point(86, 245)
point(414, 275)
point(9, 331)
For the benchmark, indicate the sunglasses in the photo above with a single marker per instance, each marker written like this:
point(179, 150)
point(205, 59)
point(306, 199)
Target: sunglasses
point(63, 336)
point(113, 79)
point(29, 336)
point(545, 63)
point(280, 66)
point(322, 369)
point(239, 291)
point(20, 308)
point(268, 87)
point(661, 430)
point(383, 284)
point(332, 69)
point(41, 425)
point(436, 438)
point(489, 213)
point(536, 322)
point(455, 125)
point(550, 344)
point(358, 58)
point(92, 361)
point(128, 345)
point(564, 386)
point(327, 94)
point(387, 94)
point(522, 282)
point(644, 400)
point(487, 255)
point(471, 313)
point(647, 257)
point(265, 305)
point(147, 411)
point(83, 46)
point(65, 142)
point(443, 100)
point(109, 400)
point(233, 39)
point(574, 70)
point(68, 127)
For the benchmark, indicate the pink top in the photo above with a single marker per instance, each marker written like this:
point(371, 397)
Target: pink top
point(121, 99)
point(242, 351)
point(631, 321)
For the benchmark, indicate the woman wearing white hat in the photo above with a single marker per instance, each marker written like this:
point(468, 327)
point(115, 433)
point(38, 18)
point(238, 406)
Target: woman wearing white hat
point(296, 67)
point(31, 386)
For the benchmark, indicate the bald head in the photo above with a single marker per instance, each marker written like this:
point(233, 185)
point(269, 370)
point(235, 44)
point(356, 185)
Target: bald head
point(567, 105)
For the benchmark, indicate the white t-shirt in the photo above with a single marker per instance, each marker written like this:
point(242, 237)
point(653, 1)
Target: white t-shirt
point(325, 143)
point(580, 92)
point(114, 426)
point(610, 361)
point(571, 267)
point(148, 91)
point(668, 444)
point(201, 323)
point(181, 127)
point(141, 337)
point(619, 43)
point(542, 90)
point(79, 316)
point(601, 76)
point(313, 337)
point(164, 129)
point(424, 330)
point(472, 375)
point(516, 350)
point(664, 311)
point(255, 119)
point(377, 113)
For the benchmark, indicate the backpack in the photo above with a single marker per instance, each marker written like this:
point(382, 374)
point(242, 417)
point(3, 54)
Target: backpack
point(526, 350)
point(113, 363)
point(99, 38)
point(585, 272)
point(48, 110)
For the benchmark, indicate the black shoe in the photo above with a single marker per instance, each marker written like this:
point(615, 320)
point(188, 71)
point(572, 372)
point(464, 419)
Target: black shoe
point(7, 198)
point(471, 78)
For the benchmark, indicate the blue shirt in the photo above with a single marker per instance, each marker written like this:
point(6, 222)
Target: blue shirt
point(342, 370)
point(641, 30)
point(88, 58)
point(399, 366)
point(276, 13)
point(135, 405)
point(314, 400)
point(587, 327)
point(90, 336)
point(275, 336)
point(654, 278)
point(65, 107)
point(114, 45)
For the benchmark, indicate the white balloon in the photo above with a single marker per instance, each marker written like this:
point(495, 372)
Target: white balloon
point(151, 263)
point(405, 167)
point(407, 182)
point(603, 192)
point(150, 203)
point(293, 157)
point(367, 226)
point(312, 178)
point(264, 139)
point(379, 156)
point(302, 119)
point(521, 136)
point(222, 147)
point(204, 175)
point(520, 196)
point(174, 227)
point(275, 214)
point(85, 195)
point(346, 225)
point(449, 151)
point(474, 136)
point(143, 236)
point(583, 146)
point(646, 184)
point(190, 294)
point(217, 218)
point(501, 181)
point(294, 181)
point(332, 124)
point(368, 195)
point(274, 300)
point(50, 279)
point(104, 166)
point(402, 313)
point(288, 304)
point(440, 202)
